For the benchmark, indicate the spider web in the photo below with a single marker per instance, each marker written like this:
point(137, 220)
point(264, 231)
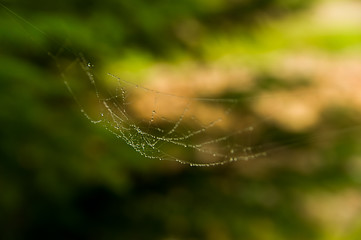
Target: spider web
point(187, 129)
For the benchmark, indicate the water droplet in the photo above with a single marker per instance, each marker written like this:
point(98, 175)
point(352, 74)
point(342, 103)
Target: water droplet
point(90, 65)
point(232, 151)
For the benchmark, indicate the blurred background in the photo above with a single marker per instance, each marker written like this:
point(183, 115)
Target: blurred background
point(296, 62)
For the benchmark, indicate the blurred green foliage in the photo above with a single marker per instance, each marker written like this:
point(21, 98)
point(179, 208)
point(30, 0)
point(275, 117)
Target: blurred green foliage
point(63, 178)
